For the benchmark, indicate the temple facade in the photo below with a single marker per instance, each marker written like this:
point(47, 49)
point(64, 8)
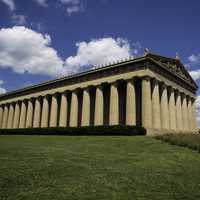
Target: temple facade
point(152, 91)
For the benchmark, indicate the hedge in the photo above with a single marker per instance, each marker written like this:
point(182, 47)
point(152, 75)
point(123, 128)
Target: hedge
point(89, 130)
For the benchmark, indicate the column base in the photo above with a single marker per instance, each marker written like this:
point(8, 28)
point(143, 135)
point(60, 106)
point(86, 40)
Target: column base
point(154, 132)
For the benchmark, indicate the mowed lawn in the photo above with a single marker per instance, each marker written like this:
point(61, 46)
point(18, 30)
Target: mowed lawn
point(89, 167)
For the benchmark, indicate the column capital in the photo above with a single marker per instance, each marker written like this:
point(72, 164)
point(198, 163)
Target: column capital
point(163, 85)
point(146, 78)
point(155, 82)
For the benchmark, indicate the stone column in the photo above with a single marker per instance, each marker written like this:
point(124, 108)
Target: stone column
point(179, 120)
point(98, 115)
point(190, 125)
point(74, 110)
point(156, 118)
point(114, 105)
point(45, 112)
point(54, 110)
point(146, 103)
point(164, 107)
point(29, 117)
point(16, 115)
point(172, 109)
point(10, 116)
point(1, 115)
point(37, 113)
point(22, 121)
point(194, 120)
point(85, 119)
point(185, 113)
point(63, 110)
point(5, 116)
point(130, 103)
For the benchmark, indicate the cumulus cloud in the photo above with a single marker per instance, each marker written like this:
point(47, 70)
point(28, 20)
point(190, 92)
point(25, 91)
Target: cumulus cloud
point(25, 50)
point(198, 109)
point(42, 3)
point(98, 52)
point(2, 90)
point(72, 6)
point(10, 4)
point(194, 61)
point(18, 19)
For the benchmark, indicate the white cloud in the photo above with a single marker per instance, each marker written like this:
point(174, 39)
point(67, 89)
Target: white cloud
point(18, 19)
point(194, 59)
point(25, 50)
point(72, 6)
point(98, 52)
point(10, 4)
point(42, 3)
point(195, 74)
point(2, 90)
point(198, 109)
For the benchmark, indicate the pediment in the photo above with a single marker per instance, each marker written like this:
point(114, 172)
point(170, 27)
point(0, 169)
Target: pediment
point(175, 66)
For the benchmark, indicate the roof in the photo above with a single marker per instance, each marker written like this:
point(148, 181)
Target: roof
point(164, 61)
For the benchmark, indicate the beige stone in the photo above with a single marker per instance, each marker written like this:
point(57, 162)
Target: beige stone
point(179, 112)
point(5, 116)
point(45, 112)
point(74, 110)
point(54, 111)
point(16, 115)
point(164, 108)
point(114, 104)
point(1, 115)
point(29, 117)
point(85, 118)
point(37, 113)
point(99, 106)
point(22, 120)
point(130, 103)
point(156, 118)
point(172, 109)
point(146, 103)
point(63, 110)
point(10, 116)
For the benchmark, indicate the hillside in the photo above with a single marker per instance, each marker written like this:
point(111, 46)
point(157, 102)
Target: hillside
point(89, 167)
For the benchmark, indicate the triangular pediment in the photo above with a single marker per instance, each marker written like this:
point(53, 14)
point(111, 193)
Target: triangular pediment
point(175, 66)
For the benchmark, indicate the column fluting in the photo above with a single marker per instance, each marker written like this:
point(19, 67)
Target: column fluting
point(22, 120)
point(1, 115)
point(172, 109)
point(85, 119)
point(146, 103)
point(185, 113)
point(37, 113)
point(114, 104)
point(45, 112)
point(130, 103)
point(29, 117)
point(54, 110)
point(156, 117)
point(179, 119)
point(190, 125)
point(74, 109)
point(16, 115)
point(63, 110)
point(164, 107)
point(10, 116)
point(5, 116)
point(194, 120)
point(99, 106)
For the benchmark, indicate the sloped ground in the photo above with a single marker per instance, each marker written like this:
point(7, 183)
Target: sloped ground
point(89, 167)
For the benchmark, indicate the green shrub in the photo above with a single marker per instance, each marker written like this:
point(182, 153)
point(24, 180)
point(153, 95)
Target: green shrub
point(87, 130)
point(191, 141)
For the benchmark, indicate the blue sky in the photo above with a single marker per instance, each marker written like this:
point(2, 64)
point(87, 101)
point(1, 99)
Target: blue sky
point(43, 39)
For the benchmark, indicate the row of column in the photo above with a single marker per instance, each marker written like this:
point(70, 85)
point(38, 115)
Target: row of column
point(162, 107)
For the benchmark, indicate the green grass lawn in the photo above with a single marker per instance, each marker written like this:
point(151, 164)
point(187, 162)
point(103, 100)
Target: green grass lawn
point(89, 167)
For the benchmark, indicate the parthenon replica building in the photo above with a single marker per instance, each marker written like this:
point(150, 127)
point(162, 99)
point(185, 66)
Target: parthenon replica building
point(152, 91)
